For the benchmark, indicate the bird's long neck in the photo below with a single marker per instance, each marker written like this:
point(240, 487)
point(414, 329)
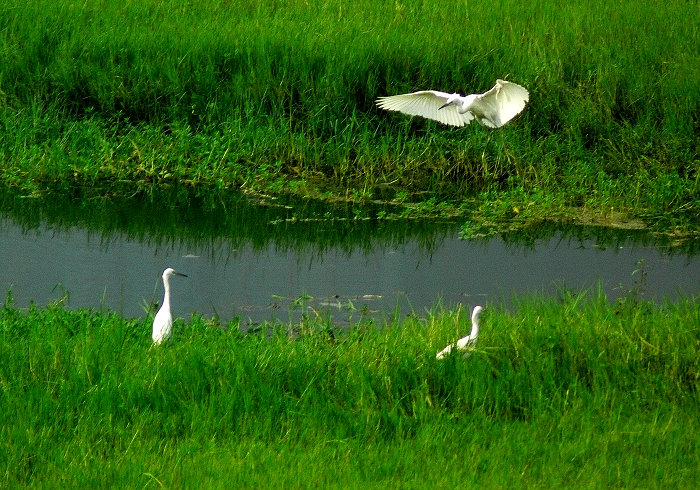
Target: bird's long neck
point(166, 295)
point(475, 327)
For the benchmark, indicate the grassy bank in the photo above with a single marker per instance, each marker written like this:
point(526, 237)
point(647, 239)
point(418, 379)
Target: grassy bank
point(101, 99)
point(560, 392)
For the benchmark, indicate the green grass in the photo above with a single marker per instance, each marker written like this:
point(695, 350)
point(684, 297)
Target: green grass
point(567, 391)
point(105, 99)
point(101, 99)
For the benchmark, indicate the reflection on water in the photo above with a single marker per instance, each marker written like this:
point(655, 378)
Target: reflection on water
point(260, 261)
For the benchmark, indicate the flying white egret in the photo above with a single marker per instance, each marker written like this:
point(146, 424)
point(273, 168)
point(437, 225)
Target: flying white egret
point(492, 109)
point(163, 322)
point(465, 342)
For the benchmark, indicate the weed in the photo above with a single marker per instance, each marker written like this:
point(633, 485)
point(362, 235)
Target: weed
point(567, 389)
point(102, 100)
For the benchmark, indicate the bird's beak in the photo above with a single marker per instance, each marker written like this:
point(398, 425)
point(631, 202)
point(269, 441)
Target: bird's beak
point(180, 274)
point(442, 106)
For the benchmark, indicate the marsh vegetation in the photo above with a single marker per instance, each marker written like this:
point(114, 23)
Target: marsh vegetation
point(572, 390)
point(99, 99)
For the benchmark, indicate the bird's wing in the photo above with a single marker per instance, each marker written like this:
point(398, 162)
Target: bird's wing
point(465, 342)
point(444, 352)
point(501, 104)
point(162, 324)
point(426, 103)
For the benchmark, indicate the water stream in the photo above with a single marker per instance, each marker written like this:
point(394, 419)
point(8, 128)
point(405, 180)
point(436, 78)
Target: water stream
point(270, 261)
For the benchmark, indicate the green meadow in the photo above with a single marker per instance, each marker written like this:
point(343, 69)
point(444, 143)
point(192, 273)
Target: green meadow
point(99, 99)
point(572, 391)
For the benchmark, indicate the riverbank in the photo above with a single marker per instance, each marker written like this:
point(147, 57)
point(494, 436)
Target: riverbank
point(559, 391)
point(99, 101)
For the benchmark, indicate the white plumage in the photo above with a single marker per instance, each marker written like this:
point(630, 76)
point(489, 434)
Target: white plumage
point(469, 341)
point(163, 321)
point(492, 109)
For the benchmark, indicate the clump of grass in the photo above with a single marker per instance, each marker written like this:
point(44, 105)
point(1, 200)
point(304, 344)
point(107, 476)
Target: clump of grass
point(570, 389)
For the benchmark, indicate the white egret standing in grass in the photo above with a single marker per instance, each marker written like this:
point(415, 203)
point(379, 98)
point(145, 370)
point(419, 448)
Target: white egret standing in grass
point(492, 109)
point(163, 322)
point(469, 341)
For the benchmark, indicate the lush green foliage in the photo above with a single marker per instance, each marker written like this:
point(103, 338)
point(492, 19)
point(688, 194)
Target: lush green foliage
point(100, 97)
point(572, 391)
point(104, 98)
